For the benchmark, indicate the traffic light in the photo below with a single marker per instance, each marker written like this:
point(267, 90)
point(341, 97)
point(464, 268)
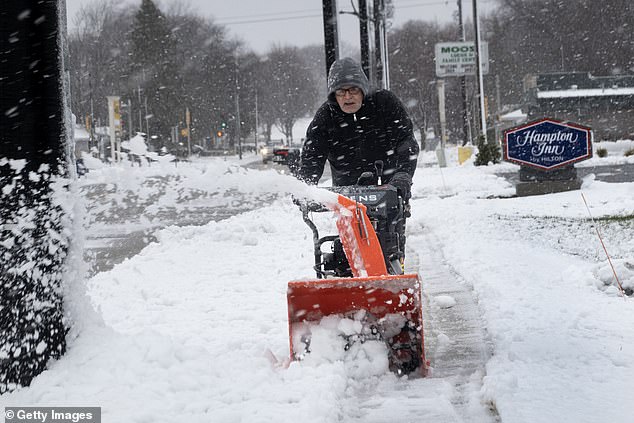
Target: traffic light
point(219, 134)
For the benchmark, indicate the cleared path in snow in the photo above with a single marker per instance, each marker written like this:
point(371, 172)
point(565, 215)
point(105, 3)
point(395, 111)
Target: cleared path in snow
point(457, 342)
point(456, 345)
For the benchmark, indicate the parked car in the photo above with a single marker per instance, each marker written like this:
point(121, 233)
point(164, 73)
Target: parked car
point(288, 156)
point(266, 151)
point(284, 154)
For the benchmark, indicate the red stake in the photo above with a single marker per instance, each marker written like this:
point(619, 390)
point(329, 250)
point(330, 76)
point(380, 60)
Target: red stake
point(603, 245)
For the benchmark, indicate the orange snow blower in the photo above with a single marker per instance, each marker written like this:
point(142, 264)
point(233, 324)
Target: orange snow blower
point(360, 273)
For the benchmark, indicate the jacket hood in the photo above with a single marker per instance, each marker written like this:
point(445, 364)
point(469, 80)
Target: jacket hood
point(346, 72)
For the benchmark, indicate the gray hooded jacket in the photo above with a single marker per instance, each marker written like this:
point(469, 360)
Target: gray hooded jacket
point(352, 143)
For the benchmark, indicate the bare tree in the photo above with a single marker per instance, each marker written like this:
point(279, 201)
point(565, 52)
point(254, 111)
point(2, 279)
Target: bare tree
point(413, 72)
point(98, 50)
point(205, 62)
point(173, 62)
point(291, 92)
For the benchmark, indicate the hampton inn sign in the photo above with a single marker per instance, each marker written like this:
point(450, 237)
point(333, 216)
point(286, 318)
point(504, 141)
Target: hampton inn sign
point(547, 144)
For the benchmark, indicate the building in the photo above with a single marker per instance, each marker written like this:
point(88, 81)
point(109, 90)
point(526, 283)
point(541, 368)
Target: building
point(604, 103)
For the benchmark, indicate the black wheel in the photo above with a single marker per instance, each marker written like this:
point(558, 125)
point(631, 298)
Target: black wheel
point(405, 352)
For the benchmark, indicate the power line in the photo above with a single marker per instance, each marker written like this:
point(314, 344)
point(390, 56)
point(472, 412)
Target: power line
point(419, 5)
point(288, 18)
point(398, 4)
point(301, 14)
point(261, 15)
point(404, 4)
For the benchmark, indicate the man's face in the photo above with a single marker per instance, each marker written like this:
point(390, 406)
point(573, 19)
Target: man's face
point(349, 99)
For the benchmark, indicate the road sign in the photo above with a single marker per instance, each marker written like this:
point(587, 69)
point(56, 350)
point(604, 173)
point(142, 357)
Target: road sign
point(458, 58)
point(547, 144)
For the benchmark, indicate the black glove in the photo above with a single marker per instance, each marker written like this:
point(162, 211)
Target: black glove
point(403, 183)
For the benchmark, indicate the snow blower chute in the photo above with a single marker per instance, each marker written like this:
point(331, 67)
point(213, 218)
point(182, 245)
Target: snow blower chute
point(361, 274)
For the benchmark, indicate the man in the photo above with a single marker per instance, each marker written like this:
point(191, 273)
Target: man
point(355, 128)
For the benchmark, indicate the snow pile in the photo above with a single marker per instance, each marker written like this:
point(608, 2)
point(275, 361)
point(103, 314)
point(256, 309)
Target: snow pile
point(135, 145)
point(333, 340)
point(620, 272)
point(444, 301)
point(91, 162)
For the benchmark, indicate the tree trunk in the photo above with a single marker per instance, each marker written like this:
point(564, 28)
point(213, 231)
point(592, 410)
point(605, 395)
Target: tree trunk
point(288, 130)
point(267, 131)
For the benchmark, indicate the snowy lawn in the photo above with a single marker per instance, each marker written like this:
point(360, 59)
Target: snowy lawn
point(188, 330)
point(563, 347)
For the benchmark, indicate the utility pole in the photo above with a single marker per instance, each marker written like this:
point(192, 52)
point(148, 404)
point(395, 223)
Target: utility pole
point(440, 85)
point(363, 37)
point(378, 57)
point(147, 120)
point(238, 112)
point(140, 110)
point(130, 119)
point(466, 128)
point(189, 135)
point(331, 37)
point(174, 134)
point(483, 121)
point(384, 50)
point(114, 127)
point(498, 109)
point(381, 74)
point(92, 113)
point(256, 121)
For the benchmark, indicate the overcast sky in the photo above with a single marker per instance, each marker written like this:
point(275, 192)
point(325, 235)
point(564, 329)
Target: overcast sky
point(261, 23)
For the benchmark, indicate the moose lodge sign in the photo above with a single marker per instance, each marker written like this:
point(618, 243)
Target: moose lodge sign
point(547, 144)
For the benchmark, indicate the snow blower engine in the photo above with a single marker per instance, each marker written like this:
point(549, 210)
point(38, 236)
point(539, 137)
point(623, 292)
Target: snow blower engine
point(360, 276)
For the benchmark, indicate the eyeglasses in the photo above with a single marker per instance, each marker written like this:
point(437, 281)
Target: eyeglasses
point(341, 92)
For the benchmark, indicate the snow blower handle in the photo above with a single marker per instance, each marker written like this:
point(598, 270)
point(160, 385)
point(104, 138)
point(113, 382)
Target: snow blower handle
point(378, 167)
